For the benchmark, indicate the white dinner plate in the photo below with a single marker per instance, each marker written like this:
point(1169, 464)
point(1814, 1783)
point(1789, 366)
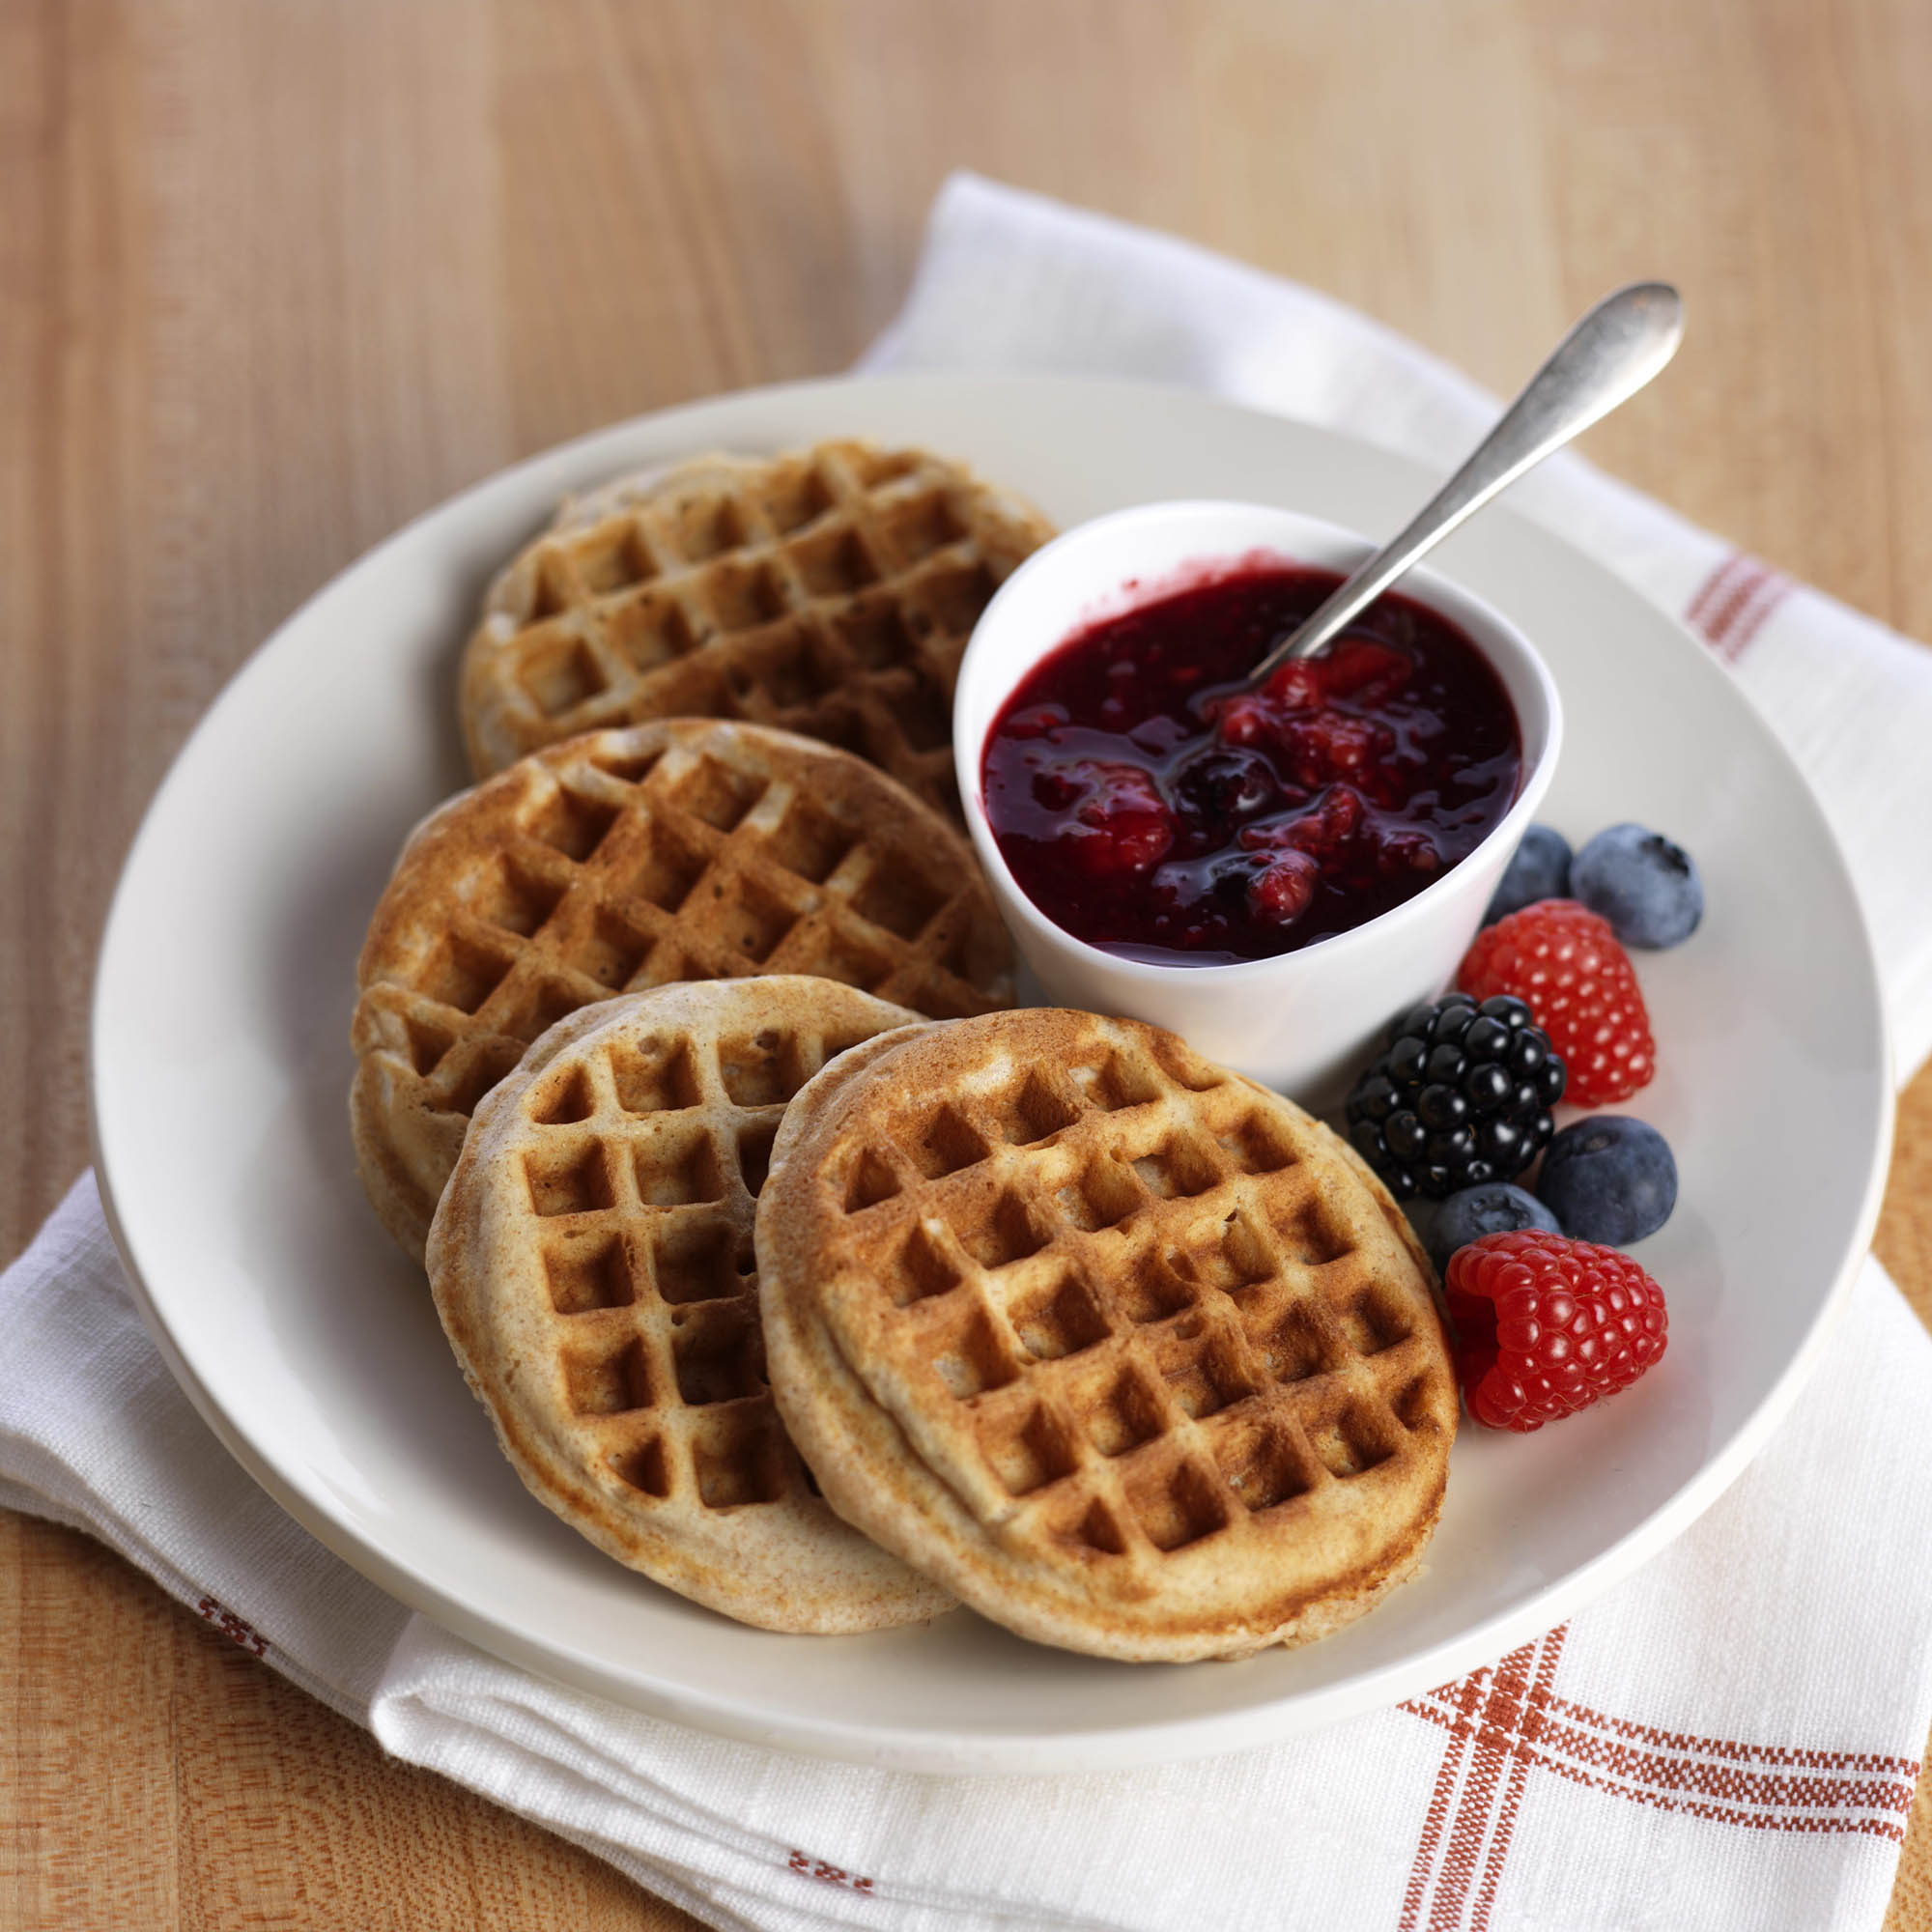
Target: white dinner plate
point(221, 1063)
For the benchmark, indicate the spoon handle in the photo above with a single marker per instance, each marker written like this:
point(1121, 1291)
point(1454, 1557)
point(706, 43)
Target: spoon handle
point(1605, 360)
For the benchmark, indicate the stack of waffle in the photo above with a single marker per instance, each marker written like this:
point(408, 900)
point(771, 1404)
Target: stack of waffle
point(794, 1269)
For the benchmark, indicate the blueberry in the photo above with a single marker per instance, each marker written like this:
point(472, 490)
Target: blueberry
point(1496, 1209)
point(1610, 1178)
point(1539, 870)
point(1646, 887)
point(1227, 785)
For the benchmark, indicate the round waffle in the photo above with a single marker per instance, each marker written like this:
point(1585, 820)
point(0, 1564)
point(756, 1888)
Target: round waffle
point(690, 849)
point(592, 1262)
point(1129, 1353)
point(830, 591)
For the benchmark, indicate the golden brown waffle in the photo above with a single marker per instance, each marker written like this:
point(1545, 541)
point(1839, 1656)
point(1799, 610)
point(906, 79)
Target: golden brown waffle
point(592, 1263)
point(1129, 1353)
point(830, 591)
point(690, 849)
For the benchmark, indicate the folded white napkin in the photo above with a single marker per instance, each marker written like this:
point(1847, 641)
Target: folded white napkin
point(1729, 1739)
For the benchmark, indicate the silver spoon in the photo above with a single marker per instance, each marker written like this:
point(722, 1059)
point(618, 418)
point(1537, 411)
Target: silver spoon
point(1605, 360)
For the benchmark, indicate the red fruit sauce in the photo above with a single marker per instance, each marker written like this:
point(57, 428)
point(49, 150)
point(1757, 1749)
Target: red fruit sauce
point(1148, 802)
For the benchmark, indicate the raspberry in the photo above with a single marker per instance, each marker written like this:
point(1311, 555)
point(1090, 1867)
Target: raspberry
point(1566, 964)
point(1123, 824)
point(1282, 889)
point(1545, 1325)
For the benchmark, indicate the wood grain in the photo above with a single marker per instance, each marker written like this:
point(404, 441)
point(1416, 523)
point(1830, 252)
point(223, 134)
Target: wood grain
point(273, 279)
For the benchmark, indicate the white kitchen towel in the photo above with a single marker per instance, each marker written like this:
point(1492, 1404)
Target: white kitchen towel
point(1728, 1738)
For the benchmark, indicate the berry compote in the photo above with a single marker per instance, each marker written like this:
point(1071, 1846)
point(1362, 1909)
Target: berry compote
point(1152, 805)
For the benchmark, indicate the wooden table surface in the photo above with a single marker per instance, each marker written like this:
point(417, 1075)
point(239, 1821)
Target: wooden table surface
point(274, 278)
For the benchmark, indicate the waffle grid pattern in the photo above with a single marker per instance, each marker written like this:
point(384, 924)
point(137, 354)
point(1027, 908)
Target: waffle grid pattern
point(828, 593)
point(1128, 1310)
point(642, 1158)
point(663, 854)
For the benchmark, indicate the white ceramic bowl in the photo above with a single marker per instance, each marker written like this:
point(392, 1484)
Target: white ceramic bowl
point(1305, 1020)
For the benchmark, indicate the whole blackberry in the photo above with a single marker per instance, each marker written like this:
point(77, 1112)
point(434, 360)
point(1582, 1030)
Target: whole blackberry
point(1459, 1095)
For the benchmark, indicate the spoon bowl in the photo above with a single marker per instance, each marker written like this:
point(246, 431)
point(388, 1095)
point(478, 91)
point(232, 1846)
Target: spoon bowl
point(1605, 360)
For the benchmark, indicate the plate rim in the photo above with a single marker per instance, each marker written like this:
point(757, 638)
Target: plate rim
point(991, 1753)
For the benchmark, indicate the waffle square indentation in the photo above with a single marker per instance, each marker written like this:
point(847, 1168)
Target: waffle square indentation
point(858, 964)
point(787, 670)
point(612, 560)
point(1370, 1324)
point(875, 634)
point(1417, 1402)
point(877, 467)
point(1103, 1195)
point(1090, 1529)
point(743, 595)
point(870, 1181)
point(972, 1357)
point(924, 717)
point(1238, 1259)
point(1260, 1463)
point(833, 563)
point(956, 594)
point(706, 528)
point(948, 1144)
point(899, 900)
point(1113, 1082)
point(608, 1381)
point(561, 1100)
point(667, 871)
point(916, 526)
point(1175, 1508)
point(715, 793)
point(463, 973)
point(809, 842)
point(739, 1460)
point(677, 1166)
point(654, 1076)
point(1035, 1451)
point(427, 1043)
point(1178, 1168)
point(645, 1467)
point(574, 1179)
point(920, 1268)
point(537, 1008)
point(1032, 1111)
point(561, 673)
point(1059, 1319)
point(1009, 1234)
point(571, 824)
point(1313, 1239)
point(471, 1071)
point(757, 923)
point(754, 1153)
point(613, 951)
point(719, 1354)
point(650, 631)
point(1295, 1346)
point(793, 500)
point(758, 1070)
point(588, 1271)
point(507, 893)
point(1259, 1145)
point(1151, 1287)
point(1125, 1415)
point(1356, 1441)
point(1203, 1378)
point(698, 1261)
